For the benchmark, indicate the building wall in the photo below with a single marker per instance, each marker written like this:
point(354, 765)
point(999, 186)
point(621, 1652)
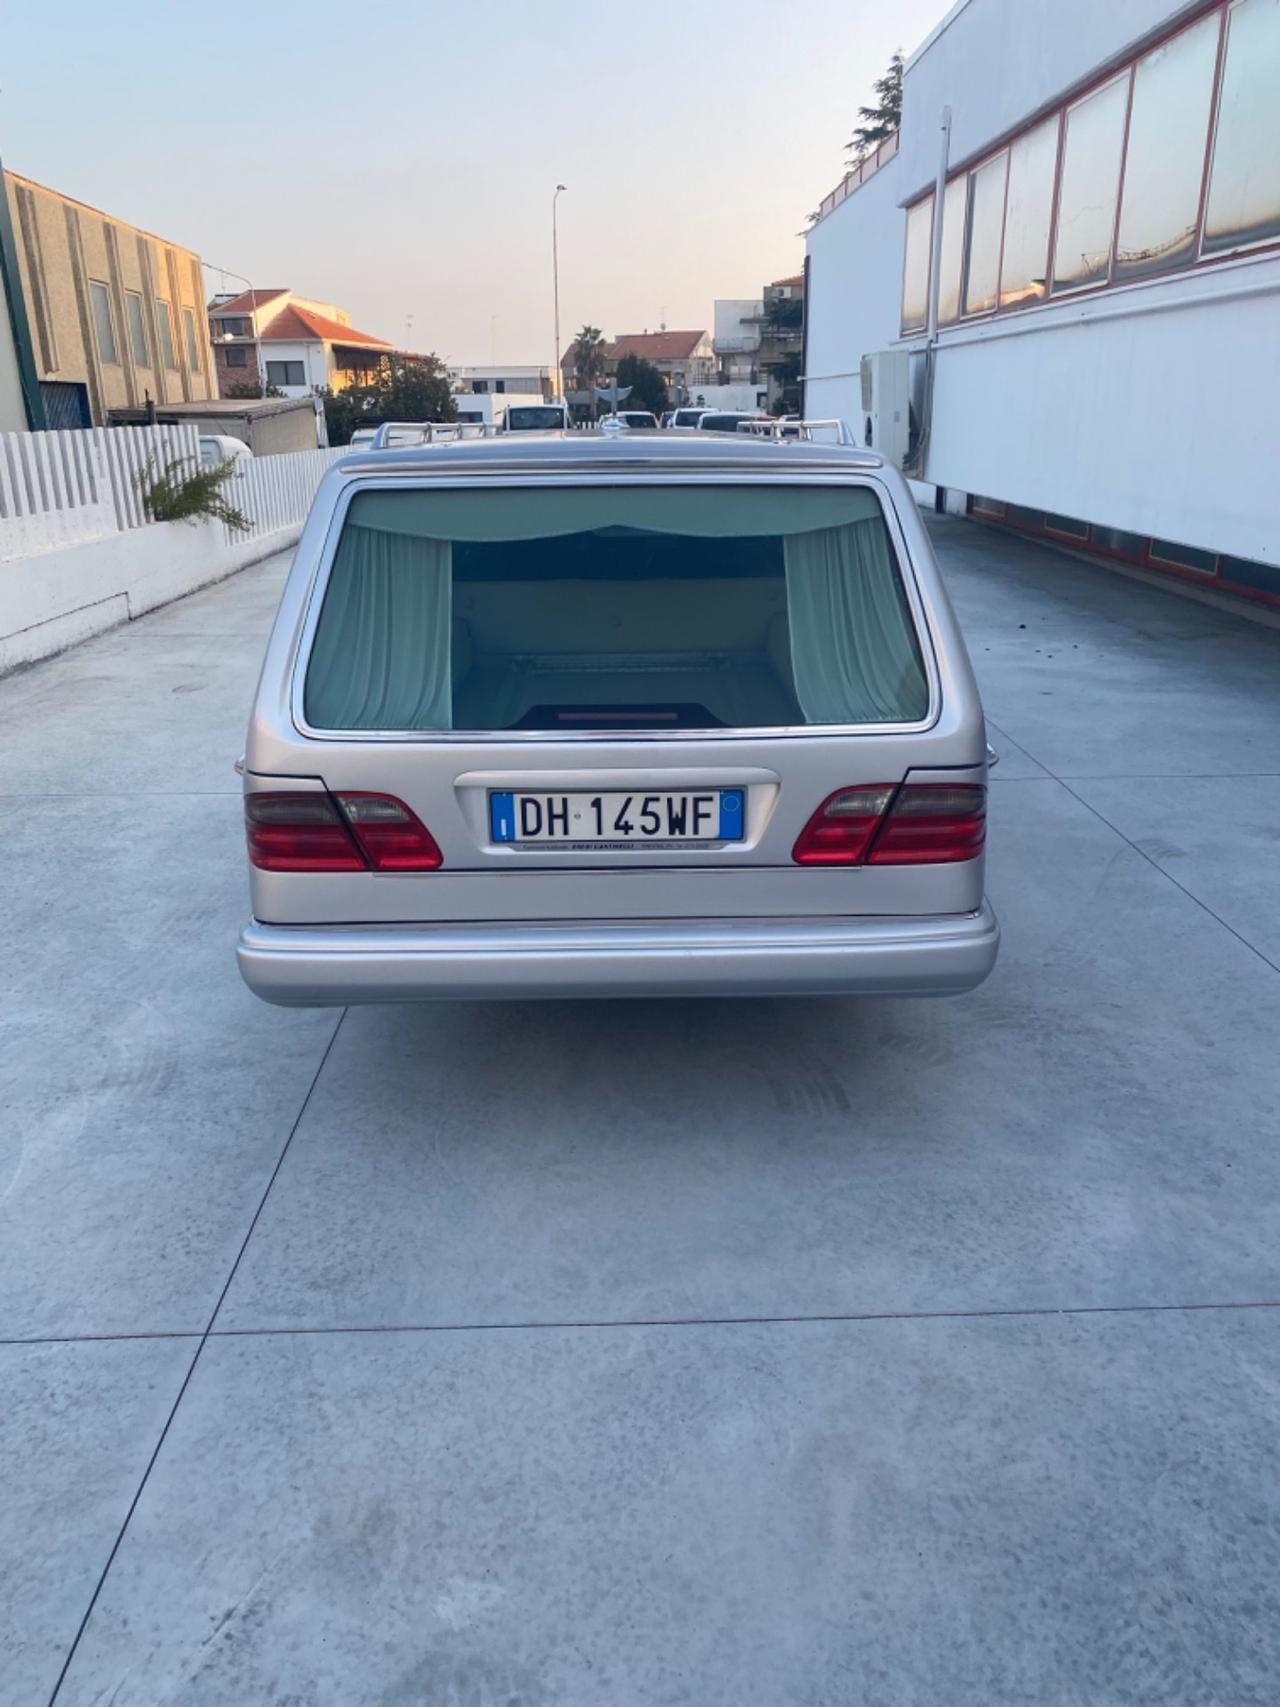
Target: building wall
point(315, 359)
point(1140, 415)
point(855, 289)
point(63, 246)
point(1146, 406)
point(733, 330)
point(995, 65)
point(13, 414)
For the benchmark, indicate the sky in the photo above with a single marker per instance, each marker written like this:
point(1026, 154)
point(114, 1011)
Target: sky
point(400, 159)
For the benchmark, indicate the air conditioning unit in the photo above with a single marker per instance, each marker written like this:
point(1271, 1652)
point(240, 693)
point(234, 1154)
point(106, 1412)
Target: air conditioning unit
point(886, 404)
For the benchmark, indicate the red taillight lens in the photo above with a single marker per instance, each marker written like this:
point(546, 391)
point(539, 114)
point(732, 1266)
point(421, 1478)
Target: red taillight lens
point(933, 823)
point(928, 823)
point(307, 832)
point(840, 831)
point(298, 832)
point(392, 838)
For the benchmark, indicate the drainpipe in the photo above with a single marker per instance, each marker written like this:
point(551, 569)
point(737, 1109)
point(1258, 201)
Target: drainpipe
point(931, 328)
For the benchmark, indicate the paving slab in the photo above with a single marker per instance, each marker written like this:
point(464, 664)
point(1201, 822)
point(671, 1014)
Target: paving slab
point(78, 1424)
point(147, 1095)
point(1098, 675)
point(1060, 1510)
point(1088, 1128)
point(1219, 837)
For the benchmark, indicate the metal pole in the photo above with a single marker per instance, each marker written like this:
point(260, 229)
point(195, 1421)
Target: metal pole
point(939, 196)
point(555, 275)
point(919, 463)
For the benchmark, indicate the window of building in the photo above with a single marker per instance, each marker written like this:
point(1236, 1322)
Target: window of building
point(1068, 525)
point(986, 222)
point(480, 387)
point(1184, 556)
point(915, 266)
point(103, 325)
point(951, 259)
point(193, 349)
point(499, 385)
point(1244, 183)
point(1024, 265)
point(286, 373)
point(137, 330)
point(164, 321)
point(1089, 187)
point(1164, 156)
point(235, 325)
point(1117, 539)
point(1125, 168)
point(236, 355)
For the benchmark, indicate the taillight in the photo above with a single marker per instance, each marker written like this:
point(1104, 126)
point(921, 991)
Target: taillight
point(880, 823)
point(298, 832)
point(840, 831)
point(362, 832)
point(393, 839)
point(933, 823)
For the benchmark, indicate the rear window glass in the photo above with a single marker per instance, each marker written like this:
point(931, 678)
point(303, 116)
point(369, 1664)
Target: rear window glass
point(722, 423)
point(689, 607)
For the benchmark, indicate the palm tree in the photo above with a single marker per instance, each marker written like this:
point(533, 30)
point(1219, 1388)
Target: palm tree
point(588, 359)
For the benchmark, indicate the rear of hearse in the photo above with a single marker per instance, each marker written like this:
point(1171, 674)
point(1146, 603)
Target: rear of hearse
point(581, 716)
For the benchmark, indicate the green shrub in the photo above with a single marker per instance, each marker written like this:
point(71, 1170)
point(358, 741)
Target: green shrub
point(177, 496)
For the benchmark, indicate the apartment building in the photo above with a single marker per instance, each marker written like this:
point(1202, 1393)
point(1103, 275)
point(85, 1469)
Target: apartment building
point(111, 316)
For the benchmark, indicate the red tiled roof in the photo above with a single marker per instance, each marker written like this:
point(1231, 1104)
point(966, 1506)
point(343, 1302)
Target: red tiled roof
point(795, 279)
point(246, 300)
point(653, 346)
point(295, 324)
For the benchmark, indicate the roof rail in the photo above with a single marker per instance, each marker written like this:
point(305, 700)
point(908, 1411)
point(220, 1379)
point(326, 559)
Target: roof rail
point(396, 435)
point(789, 429)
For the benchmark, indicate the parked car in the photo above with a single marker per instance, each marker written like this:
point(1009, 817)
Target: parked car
point(639, 420)
point(605, 716)
point(668, 418)
point(689, 417)
point(727, 420)
point(217, 448)
point(536, 418)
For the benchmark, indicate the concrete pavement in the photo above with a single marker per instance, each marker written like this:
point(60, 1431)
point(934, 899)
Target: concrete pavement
point(809, 1352)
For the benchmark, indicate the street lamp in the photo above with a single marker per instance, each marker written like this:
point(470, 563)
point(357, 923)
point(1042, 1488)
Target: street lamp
point(555, 275)
point(227, 337)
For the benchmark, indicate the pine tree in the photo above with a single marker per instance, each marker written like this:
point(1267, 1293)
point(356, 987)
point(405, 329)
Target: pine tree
point(882, 119)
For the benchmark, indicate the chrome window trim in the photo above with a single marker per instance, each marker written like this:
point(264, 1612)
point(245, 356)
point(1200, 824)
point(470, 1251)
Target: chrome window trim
point(472, 737)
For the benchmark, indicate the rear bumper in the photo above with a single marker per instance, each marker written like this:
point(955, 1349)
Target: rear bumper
point(334, 965)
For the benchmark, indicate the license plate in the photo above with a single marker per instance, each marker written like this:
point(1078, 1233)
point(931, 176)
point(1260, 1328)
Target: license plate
point(686, 815)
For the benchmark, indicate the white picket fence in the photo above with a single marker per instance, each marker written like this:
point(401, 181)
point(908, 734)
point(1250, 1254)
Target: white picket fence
point(60, 489)
point(275, 492)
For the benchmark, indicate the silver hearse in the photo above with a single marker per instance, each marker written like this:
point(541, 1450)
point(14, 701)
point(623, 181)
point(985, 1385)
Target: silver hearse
point(580, 715)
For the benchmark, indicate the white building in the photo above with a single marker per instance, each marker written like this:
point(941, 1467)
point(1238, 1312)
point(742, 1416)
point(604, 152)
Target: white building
point(529, 381)
point(1107, 298)
point(289, 342)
